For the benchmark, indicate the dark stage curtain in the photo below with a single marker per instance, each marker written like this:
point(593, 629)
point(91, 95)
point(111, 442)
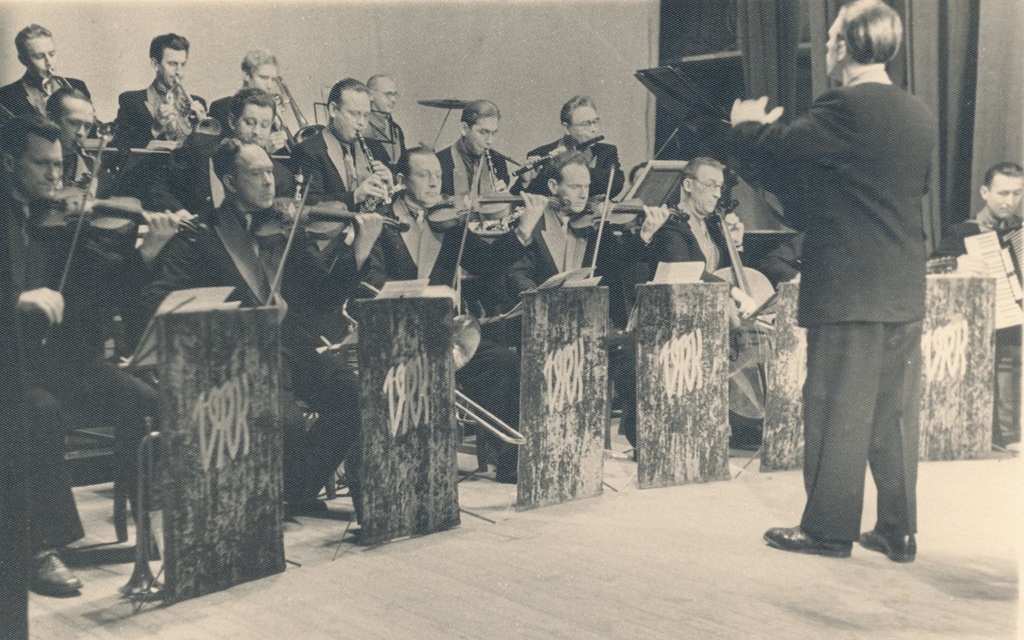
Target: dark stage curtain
point(769, 33)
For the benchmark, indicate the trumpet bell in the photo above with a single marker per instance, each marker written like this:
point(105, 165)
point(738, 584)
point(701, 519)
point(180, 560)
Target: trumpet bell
point(465, 339)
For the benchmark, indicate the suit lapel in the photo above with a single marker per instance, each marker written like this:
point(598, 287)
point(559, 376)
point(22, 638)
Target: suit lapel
point(243, 255)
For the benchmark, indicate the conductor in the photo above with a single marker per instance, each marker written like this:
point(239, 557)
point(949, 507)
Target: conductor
point(850, 174)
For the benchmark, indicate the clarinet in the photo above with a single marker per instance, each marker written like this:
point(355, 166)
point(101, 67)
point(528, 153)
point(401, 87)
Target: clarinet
point(371, 203)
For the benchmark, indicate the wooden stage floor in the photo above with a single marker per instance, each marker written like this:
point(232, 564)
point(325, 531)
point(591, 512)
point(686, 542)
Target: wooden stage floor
point(681, 562)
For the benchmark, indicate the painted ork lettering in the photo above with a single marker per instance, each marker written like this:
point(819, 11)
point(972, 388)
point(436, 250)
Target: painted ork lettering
point(945, 351)
point(564, 376)
point(407, 387)
point(222, 416)
point(680, 360)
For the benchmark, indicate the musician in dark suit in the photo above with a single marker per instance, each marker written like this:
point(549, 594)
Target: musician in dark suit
point(188, 184)
point(1002, 192)
point(491, 377)
point(62, 327)
point(259, 71)
point(333, 161)
point(479, 124)
point(71, 110)
point(552, 247)
point(383, 128)
point(230, 249)
point(581, 123)
point(162, 111)
point(850, 173)
point(27, 96)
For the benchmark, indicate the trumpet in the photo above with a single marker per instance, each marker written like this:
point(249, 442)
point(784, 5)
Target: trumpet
point(53, 78)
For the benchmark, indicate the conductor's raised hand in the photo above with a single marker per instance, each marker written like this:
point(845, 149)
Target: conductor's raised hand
point(754, 111)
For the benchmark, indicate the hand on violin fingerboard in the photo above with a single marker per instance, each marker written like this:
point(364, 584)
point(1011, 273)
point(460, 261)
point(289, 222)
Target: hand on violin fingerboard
point(736, 229)
point(654, 219)
point(533, 210)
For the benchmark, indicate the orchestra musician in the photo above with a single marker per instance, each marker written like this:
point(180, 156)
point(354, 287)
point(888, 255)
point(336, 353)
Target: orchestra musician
point(552, 248)
point(850, 172)
point(581, 123)
point(188, 185)
point(38, 53)
point(1002, 191)
point(62, 330)
point(259, 71)
point(333, 161)
point(72, 111)
point(479, 125)
point(163, 110)
point(232, 248)
point(383, 128)
point(492, 376)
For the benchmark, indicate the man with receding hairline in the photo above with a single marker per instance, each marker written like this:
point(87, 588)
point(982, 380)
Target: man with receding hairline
point(382, 127)
point(850, 173)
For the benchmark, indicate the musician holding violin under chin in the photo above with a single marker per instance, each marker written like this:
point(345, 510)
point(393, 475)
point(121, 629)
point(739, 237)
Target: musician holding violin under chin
point(491, 377)
point(62, 320)
point(581, 124)
point(242, 244)
point(38, 53)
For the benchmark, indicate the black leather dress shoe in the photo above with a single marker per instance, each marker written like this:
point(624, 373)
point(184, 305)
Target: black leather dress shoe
point(896, 548)
point(794, 539)
point(51, 578)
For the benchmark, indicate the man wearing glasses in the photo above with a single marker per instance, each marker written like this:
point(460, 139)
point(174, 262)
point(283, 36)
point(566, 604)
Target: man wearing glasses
point(383, 128)
point(581, 123)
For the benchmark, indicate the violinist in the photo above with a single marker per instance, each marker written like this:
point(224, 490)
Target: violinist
point(383, 128)
point(480, 120)
point(71, 110)
point(492, 376)
point(62, 336)
point(259, 71)
point(337, 165)
point(231, 249)
point(164, 110)
point(38, 53)
point(552, 248)
point(581, 123)
point(189, 185)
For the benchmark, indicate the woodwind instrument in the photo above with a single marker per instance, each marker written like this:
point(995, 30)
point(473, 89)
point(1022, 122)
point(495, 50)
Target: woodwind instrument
point(490, 171)
point(371, 203)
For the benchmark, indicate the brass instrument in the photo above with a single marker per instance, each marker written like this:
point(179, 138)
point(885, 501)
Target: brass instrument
point(143, 585)
point(60, 81)
point(185, 119)
point(284, 100)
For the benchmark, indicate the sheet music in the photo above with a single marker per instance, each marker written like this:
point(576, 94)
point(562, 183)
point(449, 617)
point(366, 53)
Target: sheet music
point(998, 263)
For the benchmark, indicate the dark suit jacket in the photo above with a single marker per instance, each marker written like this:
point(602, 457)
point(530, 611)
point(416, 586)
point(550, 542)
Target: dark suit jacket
point(134, 123)
point(185, 182)
point(385, 130)
point(14, 99)
point(220, 109)
point(675, 242)
point(605, 156)
point(447, 159)
point(850, 173)
point(324, 181)
point(618, 254)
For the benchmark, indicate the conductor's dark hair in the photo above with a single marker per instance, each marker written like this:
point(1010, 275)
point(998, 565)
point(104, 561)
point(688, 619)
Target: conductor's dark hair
point(348, 84)
point(15, 133)
point(405, 159)
point(476, 110)
point(250, 95)
point(167, 41)
point(55, 103)
point(1010, 169)
point(872, 31)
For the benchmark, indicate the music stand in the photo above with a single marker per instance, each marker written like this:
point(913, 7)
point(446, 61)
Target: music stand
point(658, 183)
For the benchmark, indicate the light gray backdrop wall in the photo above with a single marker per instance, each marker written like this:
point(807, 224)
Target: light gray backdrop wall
point(529, 57)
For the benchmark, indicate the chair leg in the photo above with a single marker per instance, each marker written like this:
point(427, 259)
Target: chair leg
point(120, 510)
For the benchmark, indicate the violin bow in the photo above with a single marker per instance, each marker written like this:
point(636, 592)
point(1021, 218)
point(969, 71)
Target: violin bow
point(275, 286)
point(604, 218)
point(474, 204)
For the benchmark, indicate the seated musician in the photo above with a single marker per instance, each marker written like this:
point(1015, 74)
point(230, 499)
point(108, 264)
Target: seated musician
point(188, 184)
point(71, 110)
point(164, 110)
point(38, 53)
point(480, 120)
point(259, 71)
point(335, 163)
point(1002, 192)
point(241, 244)
point(552, 248)
point(581, 123)
point(383, 128)
point(491, 377)
point(62, 329)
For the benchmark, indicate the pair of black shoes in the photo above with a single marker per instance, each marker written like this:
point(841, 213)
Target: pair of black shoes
point(896, 548)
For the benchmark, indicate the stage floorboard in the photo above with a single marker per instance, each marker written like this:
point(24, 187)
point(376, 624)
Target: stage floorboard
point(680, 562)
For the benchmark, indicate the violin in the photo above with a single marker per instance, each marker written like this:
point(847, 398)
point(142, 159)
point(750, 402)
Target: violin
point(452, 213)
point(64, 207)
point(320, 221)
point(626, 216)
